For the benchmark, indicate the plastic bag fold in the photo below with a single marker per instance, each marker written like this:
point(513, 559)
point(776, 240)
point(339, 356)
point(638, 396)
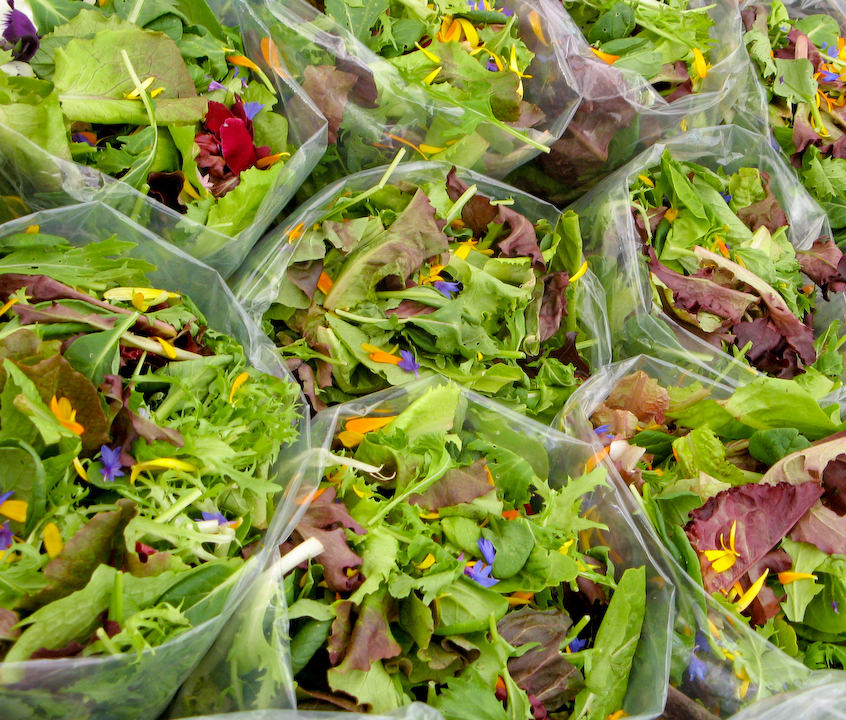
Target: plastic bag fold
point(139, 686)
point(33, 179)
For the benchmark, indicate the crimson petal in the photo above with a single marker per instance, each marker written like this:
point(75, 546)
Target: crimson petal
point(237, 145)
point(216, 115)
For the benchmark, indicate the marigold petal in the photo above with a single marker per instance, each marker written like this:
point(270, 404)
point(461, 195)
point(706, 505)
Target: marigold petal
point(242, 61)
point(747, 597)
point(14, 510)
point(350, 439)
point(427, 562)
point(167, 348)
point(537, 27)
point(581, 271)
point(161, 464)
point(239, 381)
point(699, 63)
point(789, 576)
point(607, 57)
point(7, 305)
point(469, 32)
point(80, 470)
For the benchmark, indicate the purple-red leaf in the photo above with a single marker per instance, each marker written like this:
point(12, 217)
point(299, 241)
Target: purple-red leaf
point(329, 88)
point(825, 264)
point(764, 515)
point(458, 485)
point(823, 528)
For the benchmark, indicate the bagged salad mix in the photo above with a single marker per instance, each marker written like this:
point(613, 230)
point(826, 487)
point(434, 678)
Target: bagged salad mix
point(184, 102)
point(144, 422)
point(421, 269)
point(797, 51)
point(484, 85)
point(738, 483)
point(706, 245)
point(458, 534)
point(645, 70)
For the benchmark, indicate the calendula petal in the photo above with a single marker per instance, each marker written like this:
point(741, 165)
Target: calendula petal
point(239, 381)
point(350, 439)
point(7, 305)
point(52, 539)
point(537, 27)
point(167, 348)
point(469, 32)
point(242, 61)
point(607, 57)
point(747, 597)
point(14, 510)
point(161, 464)
point(789, 576)
point(80, 470)
point(581, 271)
point(699, 64)
point(368, 424)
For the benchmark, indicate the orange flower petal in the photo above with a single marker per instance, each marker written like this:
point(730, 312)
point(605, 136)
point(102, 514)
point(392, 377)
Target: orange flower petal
point(368, 424)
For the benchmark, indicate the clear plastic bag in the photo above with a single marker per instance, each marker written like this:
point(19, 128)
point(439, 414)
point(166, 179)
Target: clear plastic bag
point(731, 651)
point(140, 685)
point(32, 179)
point(415, 711)
point(267, 681)
point(373, 109)
point(263, 280)
point(621, 114)
point(613, 247)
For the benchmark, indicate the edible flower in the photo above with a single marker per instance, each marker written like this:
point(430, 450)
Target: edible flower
point(722, 560)
point(219, 517)
point(699, 64)
point(19, 34)
point(6, 537)
point(356, 428)
point(12, 509)
point(481, 571)
point(111, 463)
point(747, 597)
point(520, 598)
point(787, 577)
point(239, 381)
point(52, 539)
point(607, 57)
point(161, 464)
point(576, 644)
point(80, 470)
point(408, 363)
point(446, 288)
point(66, 415)
point(834, 605)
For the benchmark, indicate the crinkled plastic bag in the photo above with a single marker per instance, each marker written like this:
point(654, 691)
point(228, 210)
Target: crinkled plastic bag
point(258, 282)
point(415, 711)
point(32, 179)
point(613, 247)
point(734, 652)
point(252, 670)
point(372, 110)
point(621, 114)
point(127, 686)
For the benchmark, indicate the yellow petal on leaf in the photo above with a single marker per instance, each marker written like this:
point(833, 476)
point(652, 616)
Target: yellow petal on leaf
point(243, 62)
point(161, 464)
point(428, 80)
point(607, 57)
point(7, 305)
point(52, 540)
point(747, 597)
point(469, 32)
point(520, 598)
point(14, 510)
point(33, 230)
point(789, 576)
point(368, 424)
point(427, 562)
point(167, 348)
point(81, 471)
point(581, 271)
point(350, 439)
point(428, 53)
point(537, 27)
point(699, 63)
point(239, 381)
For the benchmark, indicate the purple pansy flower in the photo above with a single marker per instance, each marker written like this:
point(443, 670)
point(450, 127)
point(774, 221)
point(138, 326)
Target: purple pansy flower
point(19, 34)
point(446, 288)
point(111, 463)
point(408, 363)
point(251, 109)
point(5, 536)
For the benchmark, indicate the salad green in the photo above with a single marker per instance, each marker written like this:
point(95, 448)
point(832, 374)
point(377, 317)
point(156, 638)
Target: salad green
point(419, 275)
point(139, 451)
point(463, 568)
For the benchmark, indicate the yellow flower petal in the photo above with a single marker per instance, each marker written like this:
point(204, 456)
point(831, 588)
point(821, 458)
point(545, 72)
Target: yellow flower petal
point(243, 62)
point(581, 271)
point(266, 162)
point(428, 53)
point(607, 57)
point(747, 597)
point(430, 78)
point(350, 439)
point(469, 32)
point(239, 381)
point(646, 180)
point(66, 415)
point(368, 424)
point(295, 232)
point(152, 296)
point(81, 471)
point(721, 560)
point(270, 53)
point(671, 215)
point(520, 598)
point(14, 510)
point(7, 305)
point(161, 464)
point(537, 28)
point(52, 540)
point(168, 349)
point(430, 516)
point(430, 149)
point(427, 562)
point(33, 230)
point(787, 577)
point(699, 63)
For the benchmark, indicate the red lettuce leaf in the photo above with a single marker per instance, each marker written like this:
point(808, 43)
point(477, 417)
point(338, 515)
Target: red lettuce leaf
point(822, 527)
point(825, 264)
point(371, 639)
point(764, 515)
point(458, 485)
point(329, 88)
point(764, 213)
point(553, 304)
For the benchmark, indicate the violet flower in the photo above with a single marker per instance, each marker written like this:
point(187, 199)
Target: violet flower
point(481, 573)
point(408, 363)
point(111, 463)
point(698, 669)
point(5, 537)
point(446, 288)
point(834, 605)
point(602, 429)
point(215, 85)
point(487, 549)
point(221, 520)
point(577, 644)
point(251, 109)
point(5, 496)
point(19, 34)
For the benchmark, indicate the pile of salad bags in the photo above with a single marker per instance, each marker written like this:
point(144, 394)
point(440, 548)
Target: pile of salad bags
point(178, 114)
point(797, 57)
point(420, 269)
point(484, 85)
point(693, 448)
point(705, 245)
point(471, 531)
point(142, 451)
point(645, 71)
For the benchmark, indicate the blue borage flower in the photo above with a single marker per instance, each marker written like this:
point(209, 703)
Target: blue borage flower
point(487, 549)
point(111, 463)
point(221, 520)
point(698, 669)
point(408, 363)
point(251, 109)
